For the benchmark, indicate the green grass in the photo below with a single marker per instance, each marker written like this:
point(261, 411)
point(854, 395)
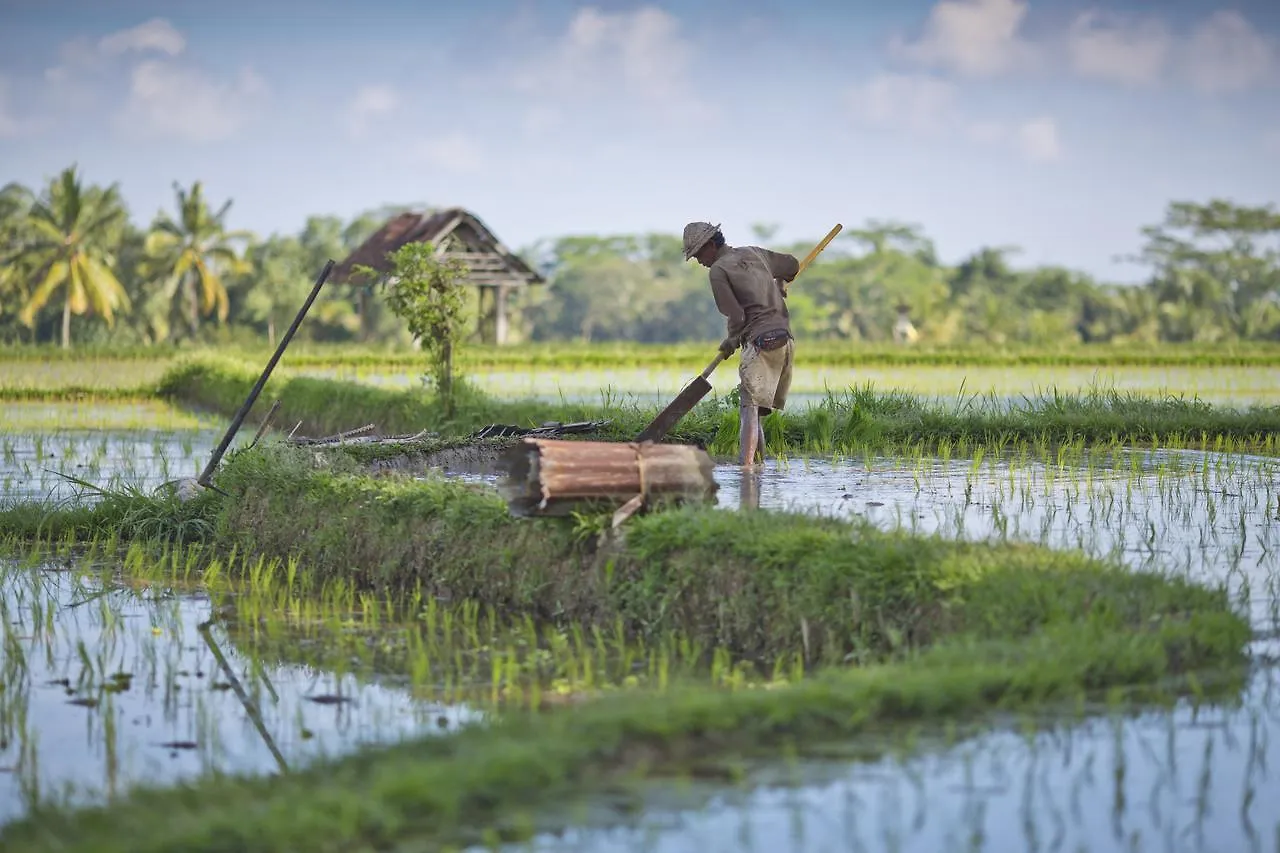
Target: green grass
point(900, 628)
point(856, 421)
point(893, 628)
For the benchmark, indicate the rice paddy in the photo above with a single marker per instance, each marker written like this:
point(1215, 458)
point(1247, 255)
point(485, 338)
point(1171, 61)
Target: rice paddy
point(121, 661)
point(111, 680)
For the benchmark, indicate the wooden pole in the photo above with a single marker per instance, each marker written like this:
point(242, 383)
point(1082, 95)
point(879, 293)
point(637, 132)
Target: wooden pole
point(205, 478)
point(500, 314)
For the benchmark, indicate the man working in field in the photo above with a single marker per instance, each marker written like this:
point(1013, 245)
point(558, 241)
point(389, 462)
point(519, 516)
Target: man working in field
point(744, 283)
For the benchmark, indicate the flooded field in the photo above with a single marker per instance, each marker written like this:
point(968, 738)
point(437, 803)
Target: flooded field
point(104, 686)
point(1191, 779)
point(108, 682)
point(1200, 776)
point(107, 444)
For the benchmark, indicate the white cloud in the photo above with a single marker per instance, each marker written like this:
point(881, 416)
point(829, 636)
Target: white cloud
point(167, 96)
point(984, 39)
point(1035, 139)
point(1038, 140)
point(928, 106)
point(917, 103)
point(10, 125)
point(639, 55)
point(156, 34)
point(173, 101)
point(1121, 49)
point(453, 152)
point(1225, 54)
point(369, 103)
point(975, 38)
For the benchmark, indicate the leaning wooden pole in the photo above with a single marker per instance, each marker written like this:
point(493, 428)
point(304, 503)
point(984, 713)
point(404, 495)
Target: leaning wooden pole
point(206, 477)
point(555, 478)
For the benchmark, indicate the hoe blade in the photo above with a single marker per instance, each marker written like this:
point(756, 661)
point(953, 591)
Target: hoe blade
point(677, 409)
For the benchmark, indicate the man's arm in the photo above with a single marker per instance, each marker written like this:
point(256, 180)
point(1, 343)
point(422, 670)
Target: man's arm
point(782, 265)
point(727, 303)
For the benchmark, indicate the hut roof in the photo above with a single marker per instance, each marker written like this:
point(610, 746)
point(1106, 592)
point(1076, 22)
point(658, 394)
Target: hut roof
point(488, 260)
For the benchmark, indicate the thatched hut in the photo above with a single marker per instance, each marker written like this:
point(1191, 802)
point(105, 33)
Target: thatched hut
point(457, 234)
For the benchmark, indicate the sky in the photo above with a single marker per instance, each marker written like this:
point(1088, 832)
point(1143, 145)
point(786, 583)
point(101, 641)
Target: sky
point(1054, 126)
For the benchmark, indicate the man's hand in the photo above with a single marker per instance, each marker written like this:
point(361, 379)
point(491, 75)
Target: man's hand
point(727, 346)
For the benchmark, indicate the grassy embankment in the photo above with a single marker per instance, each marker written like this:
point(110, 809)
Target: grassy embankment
point(938, 630)
point(858, 421)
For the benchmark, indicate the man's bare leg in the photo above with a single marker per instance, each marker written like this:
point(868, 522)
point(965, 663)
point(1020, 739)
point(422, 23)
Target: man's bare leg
point(748, 433)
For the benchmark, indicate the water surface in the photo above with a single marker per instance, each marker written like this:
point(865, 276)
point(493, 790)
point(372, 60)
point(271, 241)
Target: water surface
point(103, 687)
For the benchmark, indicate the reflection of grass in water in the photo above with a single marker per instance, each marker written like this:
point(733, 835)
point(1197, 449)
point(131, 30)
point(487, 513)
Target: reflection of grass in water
point(110, 459)
point(78, 626)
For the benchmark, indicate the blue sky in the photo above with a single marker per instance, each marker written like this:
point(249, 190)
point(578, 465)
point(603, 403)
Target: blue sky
point(1057, 126)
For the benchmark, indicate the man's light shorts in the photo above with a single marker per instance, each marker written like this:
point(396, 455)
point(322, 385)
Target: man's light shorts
point(766, 375)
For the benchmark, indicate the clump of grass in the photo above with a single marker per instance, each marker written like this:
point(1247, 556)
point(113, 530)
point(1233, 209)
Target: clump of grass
point(159, 516)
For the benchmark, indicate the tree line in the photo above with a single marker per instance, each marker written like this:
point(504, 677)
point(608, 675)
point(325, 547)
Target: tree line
point(74, 268)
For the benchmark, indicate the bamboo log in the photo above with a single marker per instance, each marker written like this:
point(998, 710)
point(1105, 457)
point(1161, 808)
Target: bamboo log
point(553, 477)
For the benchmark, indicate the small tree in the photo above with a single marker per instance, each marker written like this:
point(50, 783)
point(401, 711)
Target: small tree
point(425, 292)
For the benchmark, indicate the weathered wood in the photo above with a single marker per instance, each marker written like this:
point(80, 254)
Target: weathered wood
point(553, 477)
point(500, 315)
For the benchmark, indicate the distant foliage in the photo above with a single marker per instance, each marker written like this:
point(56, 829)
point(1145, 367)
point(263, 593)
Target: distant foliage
point(73, 267)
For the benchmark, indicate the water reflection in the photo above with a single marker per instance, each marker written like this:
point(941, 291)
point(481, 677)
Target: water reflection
point(35, 466)
point(749, 489)
point(1189, 780)
point(1201, 779)
point(105, 687)
point(1212, 517)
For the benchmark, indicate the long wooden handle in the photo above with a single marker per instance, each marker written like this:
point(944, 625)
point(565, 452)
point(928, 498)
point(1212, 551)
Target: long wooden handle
point(710, 368)
point(817, 250)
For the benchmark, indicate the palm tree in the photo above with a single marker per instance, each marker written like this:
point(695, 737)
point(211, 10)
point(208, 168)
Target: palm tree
point(193, 252)
point(69, 237)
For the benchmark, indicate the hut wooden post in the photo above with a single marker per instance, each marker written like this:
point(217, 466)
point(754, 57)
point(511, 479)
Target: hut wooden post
point(550, 477)
point(500, 314)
